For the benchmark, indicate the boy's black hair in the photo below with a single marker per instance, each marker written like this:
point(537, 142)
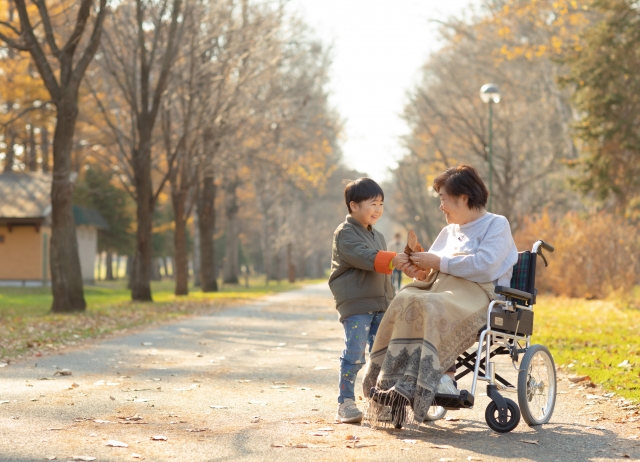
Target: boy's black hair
point(360, 190)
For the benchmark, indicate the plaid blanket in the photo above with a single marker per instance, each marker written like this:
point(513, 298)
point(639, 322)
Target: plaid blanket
point(426, 327)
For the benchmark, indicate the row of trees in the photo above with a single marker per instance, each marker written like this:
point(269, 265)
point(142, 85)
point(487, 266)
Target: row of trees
point(568, 114)
point(218, 108)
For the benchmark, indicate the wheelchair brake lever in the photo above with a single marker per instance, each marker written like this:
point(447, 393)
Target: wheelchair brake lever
point(543, 258)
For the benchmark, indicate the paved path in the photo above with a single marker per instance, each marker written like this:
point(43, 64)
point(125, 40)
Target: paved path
point(252, 383)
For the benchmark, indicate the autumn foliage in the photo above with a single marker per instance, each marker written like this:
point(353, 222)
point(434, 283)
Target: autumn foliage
point(596, 254)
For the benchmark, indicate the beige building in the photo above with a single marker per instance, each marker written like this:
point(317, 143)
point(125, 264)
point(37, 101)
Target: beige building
point(25, 230)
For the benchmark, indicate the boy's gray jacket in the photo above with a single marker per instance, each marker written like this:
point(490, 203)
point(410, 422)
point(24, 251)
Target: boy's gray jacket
point(355, 284)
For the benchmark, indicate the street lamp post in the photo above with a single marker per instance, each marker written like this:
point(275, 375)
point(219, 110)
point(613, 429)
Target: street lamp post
point(490, 94)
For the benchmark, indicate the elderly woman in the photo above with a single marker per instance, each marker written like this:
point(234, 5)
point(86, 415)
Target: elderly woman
point(436, 317)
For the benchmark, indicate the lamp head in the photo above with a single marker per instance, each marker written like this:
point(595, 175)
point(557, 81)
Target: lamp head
point(489, 93)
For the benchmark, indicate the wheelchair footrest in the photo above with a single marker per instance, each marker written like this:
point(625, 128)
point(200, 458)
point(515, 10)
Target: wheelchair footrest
point(462, 401)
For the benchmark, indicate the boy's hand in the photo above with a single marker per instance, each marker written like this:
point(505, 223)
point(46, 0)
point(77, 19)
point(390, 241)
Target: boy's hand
point(414, 272)
point(401, 261)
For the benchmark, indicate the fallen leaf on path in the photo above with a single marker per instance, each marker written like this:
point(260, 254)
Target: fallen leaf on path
point(117, 444)
point(441, 446)
point(62, 372)
point(274, 445)
point(409, 441)
point(301, 446)
point(279, 387)
point(112, 398)
point(326, 429)
point(34, 399)
point(136, 456)
point(159, 438)
point(262, 403)
point(53, 429)
point(579, 378)
point(213, 406)
point(244, 381)
point(473, 458)
point(445, 459)
point(593, 397)
point(278, 383)
point(625, 363)
point(146, 343)
point(83, 458)
point(102, 421)
point(255, 420)
point(142, 400)
point(197, 430)
point(134, 417)
point(531, 441)
point(4, 401)
point(304, 388)
point(51, 458)
point(624, 456)
point(452, 419)
point(352, 438)
point(318, 434)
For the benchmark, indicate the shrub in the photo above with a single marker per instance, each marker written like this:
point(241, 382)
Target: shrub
point(595, 254)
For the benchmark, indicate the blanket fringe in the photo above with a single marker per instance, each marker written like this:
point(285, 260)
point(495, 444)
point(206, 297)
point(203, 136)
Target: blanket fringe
point(389, 409)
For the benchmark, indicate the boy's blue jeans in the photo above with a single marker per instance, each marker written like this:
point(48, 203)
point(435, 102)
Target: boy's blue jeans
point(359, 330)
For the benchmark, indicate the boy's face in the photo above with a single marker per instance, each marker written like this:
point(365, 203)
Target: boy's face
point(367, 212)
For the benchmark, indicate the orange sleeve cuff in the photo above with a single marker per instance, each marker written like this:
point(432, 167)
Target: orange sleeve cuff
point(381, 263)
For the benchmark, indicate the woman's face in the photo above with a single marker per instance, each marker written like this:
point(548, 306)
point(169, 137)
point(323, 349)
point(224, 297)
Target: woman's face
point(455, 209)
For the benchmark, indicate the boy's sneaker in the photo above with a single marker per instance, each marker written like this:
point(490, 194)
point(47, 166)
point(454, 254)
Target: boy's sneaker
point(348, 412)
point(447, 386)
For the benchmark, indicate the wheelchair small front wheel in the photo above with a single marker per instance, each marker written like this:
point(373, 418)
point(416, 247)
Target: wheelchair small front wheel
point(513, 417)
point(435, 413)
point(537, 385)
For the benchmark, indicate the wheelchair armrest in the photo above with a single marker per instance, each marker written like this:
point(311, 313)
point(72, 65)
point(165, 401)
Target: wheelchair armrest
point(509, 292)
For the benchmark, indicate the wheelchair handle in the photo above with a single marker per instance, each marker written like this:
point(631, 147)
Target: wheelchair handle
point(544, 245)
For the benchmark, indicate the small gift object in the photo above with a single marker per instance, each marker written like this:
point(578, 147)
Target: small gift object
point(412, 244)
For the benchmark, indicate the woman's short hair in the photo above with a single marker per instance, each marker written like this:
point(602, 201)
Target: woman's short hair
point(463, 179)
point(360, 190)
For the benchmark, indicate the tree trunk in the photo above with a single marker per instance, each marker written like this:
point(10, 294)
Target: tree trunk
point(32, 162)
point(165, 264)
point(10, 139)
point(66, 275)
point(155, 270)
point(205, 208)
point(291, 267)
point(180, 259)
point(44, 149)
point(230, 268)
point(109, 276)
point(141, 280)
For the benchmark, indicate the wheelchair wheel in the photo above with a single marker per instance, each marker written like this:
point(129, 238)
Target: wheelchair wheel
point(513, 418)
point(537, 385)
point(435, 413)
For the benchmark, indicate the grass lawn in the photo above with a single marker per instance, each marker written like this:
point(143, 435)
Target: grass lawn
point(592, 337)
point(28, 327)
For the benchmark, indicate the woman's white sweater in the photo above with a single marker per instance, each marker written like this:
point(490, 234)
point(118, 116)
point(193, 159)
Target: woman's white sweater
point(480, 251)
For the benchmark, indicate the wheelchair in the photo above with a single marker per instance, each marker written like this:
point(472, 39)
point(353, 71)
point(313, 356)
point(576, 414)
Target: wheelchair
point(508, 332)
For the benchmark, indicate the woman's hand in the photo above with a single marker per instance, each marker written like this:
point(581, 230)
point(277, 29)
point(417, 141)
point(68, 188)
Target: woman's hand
point(426, 260)
point(401, 261)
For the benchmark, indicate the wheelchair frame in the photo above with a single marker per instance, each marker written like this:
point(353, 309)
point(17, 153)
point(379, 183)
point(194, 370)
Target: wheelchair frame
point(516, 303)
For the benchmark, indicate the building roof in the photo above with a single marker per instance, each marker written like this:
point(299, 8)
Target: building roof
point(27, 196)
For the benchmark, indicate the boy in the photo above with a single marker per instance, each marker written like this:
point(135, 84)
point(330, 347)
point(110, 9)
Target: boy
point(360, 282)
